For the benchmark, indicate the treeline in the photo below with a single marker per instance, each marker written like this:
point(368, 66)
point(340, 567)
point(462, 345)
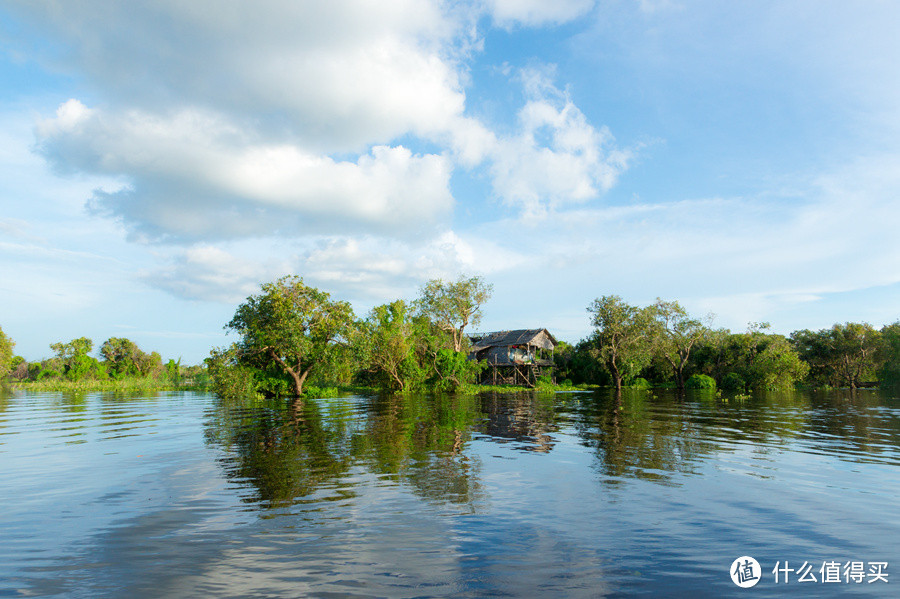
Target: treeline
point(121, 359)
point(294, 337)
point(662, 344)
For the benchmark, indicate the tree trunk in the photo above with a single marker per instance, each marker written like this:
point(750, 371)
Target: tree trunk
point(298, 377)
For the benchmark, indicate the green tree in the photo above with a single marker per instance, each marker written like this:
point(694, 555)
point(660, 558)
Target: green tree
point(623, 336)
point(889, 373)
point(391, 336)
point(677, 335)
point(291, 325)
point(75, 361)
point(764, 360)
point(6, 354)
point(844, 355)
point(453, 306)
point(124, 358)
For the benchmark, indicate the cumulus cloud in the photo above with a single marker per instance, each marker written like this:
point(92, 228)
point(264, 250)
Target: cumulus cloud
point(195, 175)
point(557, 157)
point(364, 269)
point(335, 75)
point(209, 273)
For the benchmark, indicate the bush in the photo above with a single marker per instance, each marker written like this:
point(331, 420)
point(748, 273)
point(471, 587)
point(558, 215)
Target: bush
point(733, 381)
point(700, 381)
point(640, 383)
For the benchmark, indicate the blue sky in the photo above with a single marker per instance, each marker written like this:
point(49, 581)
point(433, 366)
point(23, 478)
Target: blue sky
point(159, 160)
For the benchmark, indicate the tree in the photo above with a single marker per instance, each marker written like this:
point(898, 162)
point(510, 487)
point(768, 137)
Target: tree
point(764, 360)
point(291, 325)
point(454, 306)
point(124, 358)
point(623, 336)
point(390, 337)
point(677, 335)
point(6, 354)
point(844, 355)
point(76, 364)
point(889, 373)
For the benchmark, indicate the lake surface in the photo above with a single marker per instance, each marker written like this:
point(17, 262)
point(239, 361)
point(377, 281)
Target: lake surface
point(554, 495)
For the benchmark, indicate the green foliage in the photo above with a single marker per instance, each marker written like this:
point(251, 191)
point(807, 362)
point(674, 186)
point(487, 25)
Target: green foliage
point(765, 361)
point(451, 369)
point(228, 377)
point(623, 336)
point(677, 334)
point(452, 306)
point(392, 342)
point(6, 354)
point(733, 381)
point(124, 358)
point(889, 372)
point(700, 381)
point(843, 356)
point(74, 362)
point(639, 383)
point(290, 326)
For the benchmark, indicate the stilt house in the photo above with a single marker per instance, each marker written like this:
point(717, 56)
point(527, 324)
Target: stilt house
point(514, 357)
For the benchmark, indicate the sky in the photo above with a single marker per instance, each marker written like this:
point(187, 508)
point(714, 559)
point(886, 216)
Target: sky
point(161, 159)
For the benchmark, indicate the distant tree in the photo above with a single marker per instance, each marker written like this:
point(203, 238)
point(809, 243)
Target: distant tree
point(75, 362)
point(889, 372)
point(76, 347)
point(452, 306)
point(764, 360)
point(124, 358)
point(290, 325)
point(6, 354)
point(677, 334)
point(624, 336)
point(844, 355)
point(710, 356)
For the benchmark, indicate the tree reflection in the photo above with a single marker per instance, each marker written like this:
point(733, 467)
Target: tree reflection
point(637, 434)
point(528, 418)
point(314, 449)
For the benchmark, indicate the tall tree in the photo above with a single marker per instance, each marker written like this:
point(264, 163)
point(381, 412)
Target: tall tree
point(124, 358)
point(390, 336)
point(453, 306)
point(677, 335)
point(844, 355)
point(889, 372)
point(76, 363)
point(291, 325)
point(623, 335)
point(764, 360)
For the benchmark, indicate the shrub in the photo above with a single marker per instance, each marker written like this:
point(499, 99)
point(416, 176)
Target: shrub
point(700, 381)
point(733, 380)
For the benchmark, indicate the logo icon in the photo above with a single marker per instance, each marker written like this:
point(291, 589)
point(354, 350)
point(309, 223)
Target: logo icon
point(745, 571)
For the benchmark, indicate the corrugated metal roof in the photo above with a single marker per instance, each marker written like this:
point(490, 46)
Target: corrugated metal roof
point(507, 338)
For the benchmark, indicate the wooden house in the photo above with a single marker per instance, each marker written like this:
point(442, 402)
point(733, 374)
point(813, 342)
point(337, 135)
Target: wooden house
point(514, 357)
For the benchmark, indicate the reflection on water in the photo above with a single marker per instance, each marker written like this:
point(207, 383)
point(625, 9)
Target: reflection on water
point(569, 494)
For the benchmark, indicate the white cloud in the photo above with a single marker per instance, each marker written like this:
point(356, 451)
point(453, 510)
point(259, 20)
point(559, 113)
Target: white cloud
point(209, 273)
point(537, 12)
point(334, 75)
point(557, 157)
point(195, 175)
point(363, 269)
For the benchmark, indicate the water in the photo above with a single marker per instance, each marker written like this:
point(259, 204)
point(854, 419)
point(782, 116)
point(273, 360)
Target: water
point(555, 495)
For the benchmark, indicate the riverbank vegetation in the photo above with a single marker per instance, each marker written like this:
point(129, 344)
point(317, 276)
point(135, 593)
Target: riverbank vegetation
point(122, 366)
point(296, 340)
